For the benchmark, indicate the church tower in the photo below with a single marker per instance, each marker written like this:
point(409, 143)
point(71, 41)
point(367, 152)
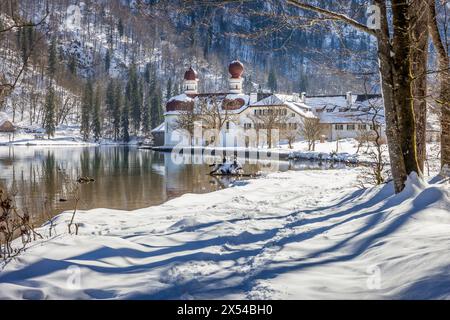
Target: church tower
point(190, 84)
point(236, 70)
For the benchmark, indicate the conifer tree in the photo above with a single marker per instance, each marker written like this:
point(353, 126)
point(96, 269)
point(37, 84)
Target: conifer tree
point(118, 101)
point(302, 81)
point(120, 27)
point(272, 81)
point(156, 112)
point(52, 59)
point(110, 98)
point(96, 117)
point(134, 95)
point(49, 112)
point(146, 118)
point(125, 121)
point(169, 89)
point(107, 61)
point(86, 108)
point(72, 65)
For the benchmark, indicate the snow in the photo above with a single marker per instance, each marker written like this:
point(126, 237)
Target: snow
point(182, 98)
point(3, 118)
point(65, 135)
point(160, 128)
point(291, 235)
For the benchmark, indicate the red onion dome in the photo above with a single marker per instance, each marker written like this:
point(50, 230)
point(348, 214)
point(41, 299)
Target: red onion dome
point(176, 105)
point(191, 74)
point(236, 69)
point(233, 104)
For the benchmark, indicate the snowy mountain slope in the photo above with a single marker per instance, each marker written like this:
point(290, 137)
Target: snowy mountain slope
point(289, 235)
point(173, 35)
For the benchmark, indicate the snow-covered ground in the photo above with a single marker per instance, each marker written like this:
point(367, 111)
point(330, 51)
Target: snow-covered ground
point(64, 136)
point(305, 234)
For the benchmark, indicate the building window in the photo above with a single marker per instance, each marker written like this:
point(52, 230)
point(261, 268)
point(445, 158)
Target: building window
point(293, 115)
point(350, 127)
point(228, 125)
point(339, 127)
point(247, 126)
point(362, 127)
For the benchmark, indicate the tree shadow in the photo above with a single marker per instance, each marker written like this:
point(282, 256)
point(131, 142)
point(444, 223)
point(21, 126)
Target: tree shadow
point(376, 210)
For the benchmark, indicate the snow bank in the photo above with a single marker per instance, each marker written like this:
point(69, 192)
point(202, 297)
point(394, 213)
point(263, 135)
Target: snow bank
point(306, 234)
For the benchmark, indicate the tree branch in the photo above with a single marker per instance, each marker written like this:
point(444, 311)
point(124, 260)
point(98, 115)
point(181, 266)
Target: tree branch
point(333, 15)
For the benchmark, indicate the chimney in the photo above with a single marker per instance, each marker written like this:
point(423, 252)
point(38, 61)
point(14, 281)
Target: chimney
point(253, 98)
point(303, 97)
point(349, 99)
point(295, 97)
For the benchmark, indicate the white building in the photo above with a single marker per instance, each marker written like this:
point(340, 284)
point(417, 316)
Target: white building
point(342, 116)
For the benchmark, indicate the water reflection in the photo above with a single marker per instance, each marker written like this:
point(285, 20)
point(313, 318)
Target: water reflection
point(125, 178)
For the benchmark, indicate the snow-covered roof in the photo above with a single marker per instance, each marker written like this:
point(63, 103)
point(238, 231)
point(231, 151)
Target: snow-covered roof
point(330, 109)
point(328, 101)
point(3, 118)
point(160, 128)
point(290, 101)
point(182, 98)
point(349, 117)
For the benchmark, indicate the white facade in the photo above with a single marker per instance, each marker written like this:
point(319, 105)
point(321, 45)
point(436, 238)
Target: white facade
point(341, 116)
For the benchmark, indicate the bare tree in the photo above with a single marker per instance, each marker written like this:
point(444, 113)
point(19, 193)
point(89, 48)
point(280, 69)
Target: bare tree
point(185, 121)
point(7, 86)
point(291, 133)
point(311, 129)
point(444, 77)
point(212, 116)
point(269, 118)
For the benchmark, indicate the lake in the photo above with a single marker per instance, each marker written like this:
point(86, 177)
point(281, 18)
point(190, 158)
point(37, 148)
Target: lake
point(126, 178)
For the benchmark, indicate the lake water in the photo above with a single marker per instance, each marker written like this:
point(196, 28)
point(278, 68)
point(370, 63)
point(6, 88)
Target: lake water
point(125, 178)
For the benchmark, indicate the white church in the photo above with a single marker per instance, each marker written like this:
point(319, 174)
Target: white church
point(340, 116)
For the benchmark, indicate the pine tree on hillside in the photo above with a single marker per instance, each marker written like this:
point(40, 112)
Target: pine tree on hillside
point(169, 89)
point(96, 117)
point(116, 112)
point(156, 111)
point(272, 81)
point(72, 65)
point(125, 121)
point(107, 61)
point(134, 96)
point(52, 59)
point(146, 118)
point(87, 106)
point(120, 27)
point(303, 81)
point(110, 98)
point(25, 39)
point(49, 112)
point(148, 73)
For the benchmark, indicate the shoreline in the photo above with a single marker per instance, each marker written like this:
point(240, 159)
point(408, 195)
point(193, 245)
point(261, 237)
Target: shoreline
point(265, 154)
point(252, 241)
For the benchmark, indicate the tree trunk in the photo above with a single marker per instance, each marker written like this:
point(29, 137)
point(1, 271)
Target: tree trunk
point(419, 59)
point(398, 169)
point(444, 77)
point(403, 95)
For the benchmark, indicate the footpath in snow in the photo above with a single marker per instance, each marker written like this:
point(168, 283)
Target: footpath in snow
point(292, 235)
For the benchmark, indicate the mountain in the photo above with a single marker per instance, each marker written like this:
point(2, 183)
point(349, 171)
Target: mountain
point(102, 39)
